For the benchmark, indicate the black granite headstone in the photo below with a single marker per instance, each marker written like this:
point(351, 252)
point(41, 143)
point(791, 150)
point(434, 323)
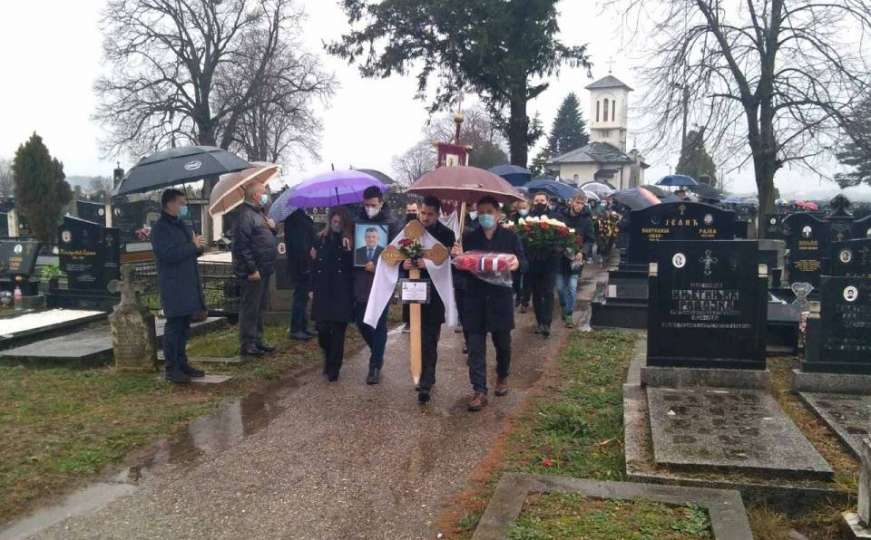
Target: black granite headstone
point(861, 228)
point(707, 306)
point(774, 226)
point(842, 341)
point(4, 225)
point(89, 254)
point(851, 258)
point(808, 241)
point(91, 211)
point(17, 258)
point(676, 221)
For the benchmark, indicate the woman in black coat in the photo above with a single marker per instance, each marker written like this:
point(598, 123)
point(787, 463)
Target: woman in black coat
point(332, 287)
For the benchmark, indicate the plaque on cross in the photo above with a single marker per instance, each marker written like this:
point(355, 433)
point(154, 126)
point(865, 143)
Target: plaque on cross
point(392, 255)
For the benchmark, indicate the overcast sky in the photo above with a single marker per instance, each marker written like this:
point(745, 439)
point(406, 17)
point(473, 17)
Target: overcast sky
point(50, 52)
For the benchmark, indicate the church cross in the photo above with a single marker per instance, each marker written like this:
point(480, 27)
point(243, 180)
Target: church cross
point(610, 65)
point(708, 260)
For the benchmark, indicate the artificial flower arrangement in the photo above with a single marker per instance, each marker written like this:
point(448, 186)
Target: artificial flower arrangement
point(411, 249)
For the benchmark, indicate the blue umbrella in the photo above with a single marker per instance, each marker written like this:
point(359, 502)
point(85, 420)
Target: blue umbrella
point(513, 174)
point(552, 187)
point(677, 180)
point(280, 208)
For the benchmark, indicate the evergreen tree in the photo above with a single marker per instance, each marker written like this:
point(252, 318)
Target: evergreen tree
point(857, 152)
point(695, 160)
point(569, 131)
point(41, 191)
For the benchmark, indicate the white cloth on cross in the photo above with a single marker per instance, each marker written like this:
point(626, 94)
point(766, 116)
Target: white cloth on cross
point(386, 276)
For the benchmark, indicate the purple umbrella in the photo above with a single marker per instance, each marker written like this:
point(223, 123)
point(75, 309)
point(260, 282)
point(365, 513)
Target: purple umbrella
point(332, 189)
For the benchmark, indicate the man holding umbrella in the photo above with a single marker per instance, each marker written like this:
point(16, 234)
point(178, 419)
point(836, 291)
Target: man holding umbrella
point(254, 253)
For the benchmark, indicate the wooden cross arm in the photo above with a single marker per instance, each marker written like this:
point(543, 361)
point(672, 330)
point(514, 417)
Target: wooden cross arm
point(437, 254)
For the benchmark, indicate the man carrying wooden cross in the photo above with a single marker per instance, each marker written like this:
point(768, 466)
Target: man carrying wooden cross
point(435, 267)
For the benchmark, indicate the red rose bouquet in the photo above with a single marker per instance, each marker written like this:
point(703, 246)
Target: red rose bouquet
point(543, 235)
point(491, 267)
point(411, 249)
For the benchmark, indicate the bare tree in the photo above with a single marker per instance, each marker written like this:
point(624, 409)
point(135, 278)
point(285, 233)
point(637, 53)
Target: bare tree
point(774, 77)
point(7, 181)
point(414, 162)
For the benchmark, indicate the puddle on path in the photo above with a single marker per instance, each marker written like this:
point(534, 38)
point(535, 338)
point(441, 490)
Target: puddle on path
point(209, 435)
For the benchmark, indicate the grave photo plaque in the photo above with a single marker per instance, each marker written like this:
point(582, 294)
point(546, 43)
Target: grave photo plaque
point(707, 305)
point(851, 258)
point(861, 228)
point(17, 258)
point(807, 239)
point(774, 226)
point(89, 254)
point(676, 221)
point(843, 343)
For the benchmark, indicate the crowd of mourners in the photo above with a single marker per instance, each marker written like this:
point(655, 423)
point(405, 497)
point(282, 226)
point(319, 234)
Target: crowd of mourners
point(331, 290)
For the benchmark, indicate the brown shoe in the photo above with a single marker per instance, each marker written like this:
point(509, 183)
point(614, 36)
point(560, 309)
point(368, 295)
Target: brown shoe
point(479, 400)
point(502, 386)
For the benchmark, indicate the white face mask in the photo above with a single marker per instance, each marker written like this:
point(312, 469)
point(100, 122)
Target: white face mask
point(473, 214)
point(373, 211)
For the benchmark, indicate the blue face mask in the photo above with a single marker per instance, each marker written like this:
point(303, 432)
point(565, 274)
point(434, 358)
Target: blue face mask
point(264, 199)
point(183, 211)
point(487, 221)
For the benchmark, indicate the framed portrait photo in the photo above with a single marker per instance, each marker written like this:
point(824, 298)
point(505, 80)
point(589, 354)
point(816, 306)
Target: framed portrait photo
point(370, 239)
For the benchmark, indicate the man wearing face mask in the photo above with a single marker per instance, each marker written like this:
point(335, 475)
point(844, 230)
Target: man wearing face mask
point(578, 217)
point(254, 254)
point(374, 212)
point(543, 266)
point(176, 249)
point(520, 281)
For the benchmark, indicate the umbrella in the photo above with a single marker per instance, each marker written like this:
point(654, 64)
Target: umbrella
point(807, 205)
point(513, 174)
point(636, 198)
point(592, 195)
point(229, 192)
point(179, 165)
point(600, 189)
point(553, 187)
point(464, 184)
point(378, 175)
point(333, 188)
point(281, 208)
point(677, 180)
point(707, 192)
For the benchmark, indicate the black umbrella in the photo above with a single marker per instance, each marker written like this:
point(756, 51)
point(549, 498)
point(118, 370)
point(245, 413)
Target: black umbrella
point(179, 165)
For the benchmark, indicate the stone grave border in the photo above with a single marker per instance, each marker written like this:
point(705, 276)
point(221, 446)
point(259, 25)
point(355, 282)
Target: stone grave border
point(725, 508)
point(640, 467)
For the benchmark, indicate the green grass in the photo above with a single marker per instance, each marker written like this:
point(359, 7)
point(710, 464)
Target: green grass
point(557, 516)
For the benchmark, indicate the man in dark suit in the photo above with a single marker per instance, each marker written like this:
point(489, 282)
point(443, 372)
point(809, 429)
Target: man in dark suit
point(299, 236)
point(176, 249)
point(371, 250)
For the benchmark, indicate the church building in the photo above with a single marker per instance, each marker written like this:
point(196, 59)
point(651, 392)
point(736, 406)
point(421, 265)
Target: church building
point(605, 158)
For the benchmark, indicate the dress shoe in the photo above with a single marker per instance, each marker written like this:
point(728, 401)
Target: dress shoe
point(265, 348)
point(332, 377)
point(312, 333)
point(523, 308)
point(478, 402)
point(423, 396)
point(301, 336)
point(251, 351)
point(178, 377)
point(374, 376)
point(502, 386)
point(545, 331)
point(192, 372)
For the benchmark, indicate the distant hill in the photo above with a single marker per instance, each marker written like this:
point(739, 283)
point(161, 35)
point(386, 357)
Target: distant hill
point(85, 182)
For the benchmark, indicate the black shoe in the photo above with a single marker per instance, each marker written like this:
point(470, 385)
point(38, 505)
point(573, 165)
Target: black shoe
point(545, 330)
point(312, 333)
point(523, 308)
point(192, 372)
point(265, 348)
point(374, 376)
point(332, 377)
point(465, 349)
point(300, 336)
point(178, 377)
point(538, 329)
point(423, 396)
point(251, 351)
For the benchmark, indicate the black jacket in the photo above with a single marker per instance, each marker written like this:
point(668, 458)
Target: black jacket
point(254, 243)
point(583, 225)
point(299, 237)
point(362, 278)
point(543, 261)
point(332, 289)
point(177, 271)
point(488, 307)
point(434, 312)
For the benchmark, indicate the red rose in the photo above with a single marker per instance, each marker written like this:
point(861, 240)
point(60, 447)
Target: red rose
point(544, 225)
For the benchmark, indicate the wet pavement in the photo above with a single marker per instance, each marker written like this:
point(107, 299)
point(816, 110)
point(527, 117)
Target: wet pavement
point(312, 459)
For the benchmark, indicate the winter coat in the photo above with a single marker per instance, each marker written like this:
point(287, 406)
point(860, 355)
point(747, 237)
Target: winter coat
point(255, 246)
point(488, 307)
point(299, 237)
point(177, 271)
point(434, 311)
point(332, 288)
point(543, 261)
point(363, 279)
point(583, 225)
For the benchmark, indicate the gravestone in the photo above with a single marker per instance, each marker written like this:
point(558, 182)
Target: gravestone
point(94, 212)
point(839, 341)
point(774, 226)
point(808, 240)
point(4, 225)
point(851, 258)
point(707, 306)
point(18, 260)
point(90, 256)
point(676, 221)
point(772, 255)
point(134, 335)
point(861, 228)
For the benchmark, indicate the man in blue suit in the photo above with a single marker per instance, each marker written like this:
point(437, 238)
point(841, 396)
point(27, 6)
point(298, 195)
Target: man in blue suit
point(176, 248)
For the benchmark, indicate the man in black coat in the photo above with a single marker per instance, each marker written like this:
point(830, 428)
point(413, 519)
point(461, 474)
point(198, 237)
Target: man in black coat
point(578, 217)
point(374, 212)
point(489, 307)
point(543, 268)
point(254, 254)
point(432, 314)
point(299, 237)
point(176, 249)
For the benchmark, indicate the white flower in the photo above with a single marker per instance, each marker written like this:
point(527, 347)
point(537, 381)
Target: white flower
point(522, 221)
point(571, 231)
point(533, 219)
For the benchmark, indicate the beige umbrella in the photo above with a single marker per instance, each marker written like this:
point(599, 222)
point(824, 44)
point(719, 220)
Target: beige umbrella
point(229, 192)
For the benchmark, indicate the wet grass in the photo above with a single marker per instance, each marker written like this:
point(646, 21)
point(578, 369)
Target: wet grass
point(569, 515)
point(60, 427)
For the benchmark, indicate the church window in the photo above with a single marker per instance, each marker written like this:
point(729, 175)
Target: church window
point(614, 110)
point(606, 110)
point(598, 104)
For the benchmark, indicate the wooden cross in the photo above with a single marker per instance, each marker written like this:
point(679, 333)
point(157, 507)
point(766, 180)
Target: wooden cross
point(391, 255)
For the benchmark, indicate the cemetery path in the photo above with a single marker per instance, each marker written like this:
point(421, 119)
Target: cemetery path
point(341, 460)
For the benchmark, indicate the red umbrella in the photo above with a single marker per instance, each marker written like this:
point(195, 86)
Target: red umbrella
point(464, 184)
